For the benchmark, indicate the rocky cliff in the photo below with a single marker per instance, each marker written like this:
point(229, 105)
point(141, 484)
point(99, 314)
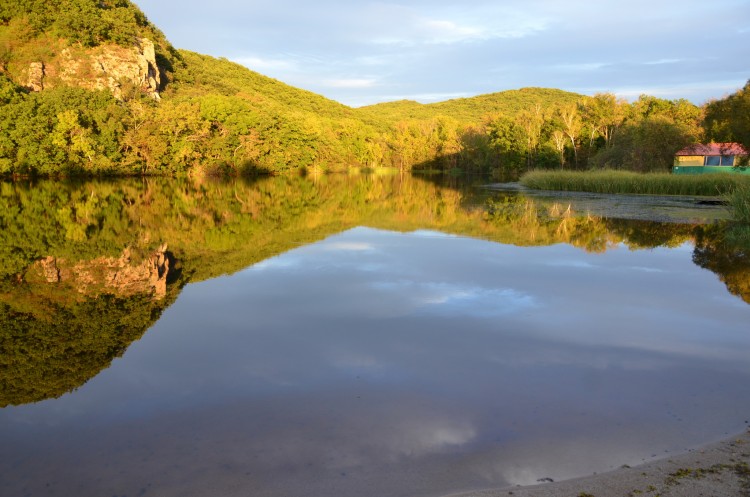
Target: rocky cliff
point(106, 66)
point(119, 276)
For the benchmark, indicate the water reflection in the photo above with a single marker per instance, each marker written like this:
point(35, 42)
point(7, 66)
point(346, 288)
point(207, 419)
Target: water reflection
point(485, 348)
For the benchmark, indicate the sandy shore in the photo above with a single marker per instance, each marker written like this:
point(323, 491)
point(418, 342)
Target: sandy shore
point(717, 470)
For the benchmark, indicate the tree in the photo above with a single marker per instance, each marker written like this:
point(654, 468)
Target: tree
point(572, 125)
point(508, 139)
point(532, 122)
point(603, 114)
point(728, 119)
point(558, 139)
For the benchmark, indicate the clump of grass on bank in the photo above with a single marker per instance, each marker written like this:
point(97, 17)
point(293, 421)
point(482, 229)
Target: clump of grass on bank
point(739, 203)
point(637, 183)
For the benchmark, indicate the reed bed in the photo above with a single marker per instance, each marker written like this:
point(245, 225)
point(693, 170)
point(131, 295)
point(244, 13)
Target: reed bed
point(739, 203)
point(713, 185)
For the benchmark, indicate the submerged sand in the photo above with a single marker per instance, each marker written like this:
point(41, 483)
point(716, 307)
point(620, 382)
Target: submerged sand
point(717, 470)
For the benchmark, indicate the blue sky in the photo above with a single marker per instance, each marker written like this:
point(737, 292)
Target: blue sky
point(363, 52)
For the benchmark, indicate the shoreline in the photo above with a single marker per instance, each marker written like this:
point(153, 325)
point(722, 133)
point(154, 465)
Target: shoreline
point(717, 469)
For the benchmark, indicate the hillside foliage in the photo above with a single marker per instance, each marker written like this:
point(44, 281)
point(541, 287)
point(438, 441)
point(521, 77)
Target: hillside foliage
point(89, 22)
point(219, 117)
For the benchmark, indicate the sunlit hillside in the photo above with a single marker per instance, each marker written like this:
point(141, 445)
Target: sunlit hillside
point(92, 87)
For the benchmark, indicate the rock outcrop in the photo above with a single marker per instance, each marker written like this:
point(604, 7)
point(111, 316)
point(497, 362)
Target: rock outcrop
point(36, 76)
point(107, 66)
point(114, 275)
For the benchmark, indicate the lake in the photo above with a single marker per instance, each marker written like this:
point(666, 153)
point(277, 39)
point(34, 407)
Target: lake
point(356, 335)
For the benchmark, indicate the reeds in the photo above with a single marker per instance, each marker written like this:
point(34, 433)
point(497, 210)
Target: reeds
point(739, 204)
point(637, 183)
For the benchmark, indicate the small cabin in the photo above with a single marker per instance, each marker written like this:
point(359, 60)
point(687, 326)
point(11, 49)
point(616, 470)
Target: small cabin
point(711, 158)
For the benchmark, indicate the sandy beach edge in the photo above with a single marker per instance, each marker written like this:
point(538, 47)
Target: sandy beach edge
point(716, 470)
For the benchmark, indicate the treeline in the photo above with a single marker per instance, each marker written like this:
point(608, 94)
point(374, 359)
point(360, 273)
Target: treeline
point(219, 117)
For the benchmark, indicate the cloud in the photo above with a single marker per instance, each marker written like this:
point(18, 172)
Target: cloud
point(465, 25)
point(261, 64)
point(583, 66)
point(692, 91)
point(351, 83)
point(361, 53)
point(663, 61)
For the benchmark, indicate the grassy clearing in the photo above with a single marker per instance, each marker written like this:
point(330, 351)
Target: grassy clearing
point(636, 183)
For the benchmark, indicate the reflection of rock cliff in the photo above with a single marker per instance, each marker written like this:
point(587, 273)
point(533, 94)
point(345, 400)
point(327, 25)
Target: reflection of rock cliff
point(64, 322)
point(104, 67)
point(115, 275)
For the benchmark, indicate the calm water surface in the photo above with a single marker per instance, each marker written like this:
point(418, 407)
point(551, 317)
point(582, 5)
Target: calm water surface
point(389, 337)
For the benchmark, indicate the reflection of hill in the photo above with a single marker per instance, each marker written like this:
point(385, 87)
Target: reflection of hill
point(64, 321)
point(83, 266)
point(57, 349)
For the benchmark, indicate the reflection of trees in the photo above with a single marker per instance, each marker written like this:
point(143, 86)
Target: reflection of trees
point(730, 263)
point(57, 331)
point(58, 346)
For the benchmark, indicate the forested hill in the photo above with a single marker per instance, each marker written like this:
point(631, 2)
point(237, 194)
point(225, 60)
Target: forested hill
point(93, 87)
point(199, 75)
point(473, 109)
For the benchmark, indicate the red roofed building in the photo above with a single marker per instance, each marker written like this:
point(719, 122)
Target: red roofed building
point(711, 158)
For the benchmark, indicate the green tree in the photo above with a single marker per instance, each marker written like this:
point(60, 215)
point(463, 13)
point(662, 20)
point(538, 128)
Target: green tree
point(728, 119)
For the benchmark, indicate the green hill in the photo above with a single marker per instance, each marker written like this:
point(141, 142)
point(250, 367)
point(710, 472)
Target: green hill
point(200, 75)
point(470, 110)
point(91, 87)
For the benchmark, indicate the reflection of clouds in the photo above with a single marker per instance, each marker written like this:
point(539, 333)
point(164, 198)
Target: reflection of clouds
point(416, 437)
point(561, 456)
point(280, 262)
point(348, 246)
point(385, 433)
point(456, 299)
point(431, 234)
point(372, 267)
point(571, 263)
point(360, 363)
point(645, 269)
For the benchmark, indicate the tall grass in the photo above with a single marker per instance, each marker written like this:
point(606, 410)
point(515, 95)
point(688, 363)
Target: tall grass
point(637, 183)
point(739, 203)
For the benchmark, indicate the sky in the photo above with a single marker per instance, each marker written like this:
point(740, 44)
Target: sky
point(364, 52)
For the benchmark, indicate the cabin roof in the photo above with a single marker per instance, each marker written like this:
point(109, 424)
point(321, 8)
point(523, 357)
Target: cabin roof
point(713, 149)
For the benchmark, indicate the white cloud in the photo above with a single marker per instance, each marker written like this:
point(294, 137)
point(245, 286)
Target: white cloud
point(583, 66)
point(692, 91)
point(261, 64)
point(361, 53)
point(351, 83)
point(659, 62)
point(480, 25)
